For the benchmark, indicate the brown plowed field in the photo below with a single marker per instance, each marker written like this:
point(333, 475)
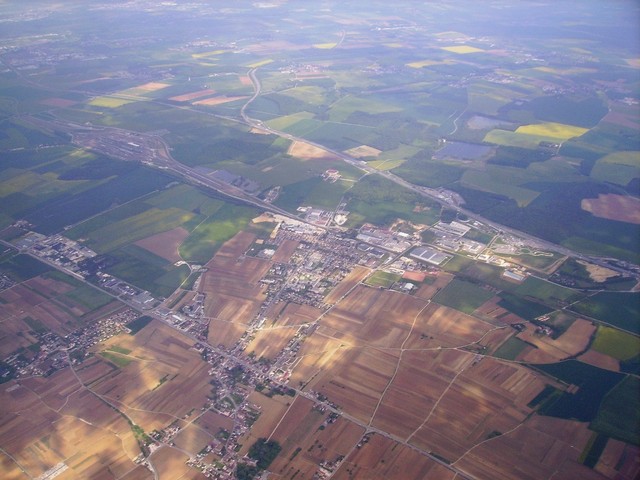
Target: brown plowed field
point(231, 287)
point(488, 396)
point(623, 208)
point(355, 276)
point(165, 244)
point(440, 326)
point(383, 459)
point(299, 429)
point(285, 250)
point(379, 317)
point(426, 292)
point(538, 449)
point(39, 437)
point(571, 342)
point(420, 380)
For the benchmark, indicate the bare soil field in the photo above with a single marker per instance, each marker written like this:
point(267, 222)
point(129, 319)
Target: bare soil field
point(363, 151)
point(570, 343)
point(271, 412)
point(490, 308)
point(308, 439)
point(356, 380)
point(306, 151)
point(165, 379)
point(232, 291)
point(152, 86)
point(269, 342)
point(93, 369)
point(355, 276)
point(219, 100)
point(212, 422)
point(50, 420)
point(171, 464)
point(225, 333)
point(192, 439)
point(600, 360)
point(48, 287)
point(325, 445)
point(285, 250)
point(318, 352)
point(619, 460)
point(426, 292)
point(495, 338)
point(623, 208)
point(487, 396)
point(414, 276)
point(542, 447)
point(187, 97)
point(383, 459)
point(380, 318)
point(421, 378)
point(165, 244)
point(440, 326)
point(295, 314)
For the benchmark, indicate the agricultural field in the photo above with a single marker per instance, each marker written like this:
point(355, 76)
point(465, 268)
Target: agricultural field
point(48, 302)
point(617, 309)
point(463, 296)
point(84, 428)
point(178, 145)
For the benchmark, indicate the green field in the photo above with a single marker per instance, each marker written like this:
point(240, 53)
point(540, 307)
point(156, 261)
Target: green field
point(463, 295)
point(137, 227)
point(380, 201)
point(616, 343)
point(618, 168)
point(208, 236)
point(23, 267)
point(138, 324)
point(510, 349)
point(619, 414)
point(621, 310)
point(584, 405)
point(382, 279)
point(118, 360)
point(89, 297)
point(523, 308)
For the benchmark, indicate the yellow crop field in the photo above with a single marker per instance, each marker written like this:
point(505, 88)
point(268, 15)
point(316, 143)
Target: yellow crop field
point(553, 130)
point(423, 63)
point(286, 121)
point(462, 49)
point(386, 164)
point(326, 46)
point(109, 102)
point(261, 63)
point(208, 54)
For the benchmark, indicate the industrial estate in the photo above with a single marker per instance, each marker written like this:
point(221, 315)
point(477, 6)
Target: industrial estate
point(314, 240)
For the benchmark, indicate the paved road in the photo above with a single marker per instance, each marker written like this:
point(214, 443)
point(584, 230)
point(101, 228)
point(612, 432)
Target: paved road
point(425, 192)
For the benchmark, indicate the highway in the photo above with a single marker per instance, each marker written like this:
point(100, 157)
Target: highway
point(426, 192)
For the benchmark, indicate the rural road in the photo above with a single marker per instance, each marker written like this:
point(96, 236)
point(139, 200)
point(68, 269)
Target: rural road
point(423, 191)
